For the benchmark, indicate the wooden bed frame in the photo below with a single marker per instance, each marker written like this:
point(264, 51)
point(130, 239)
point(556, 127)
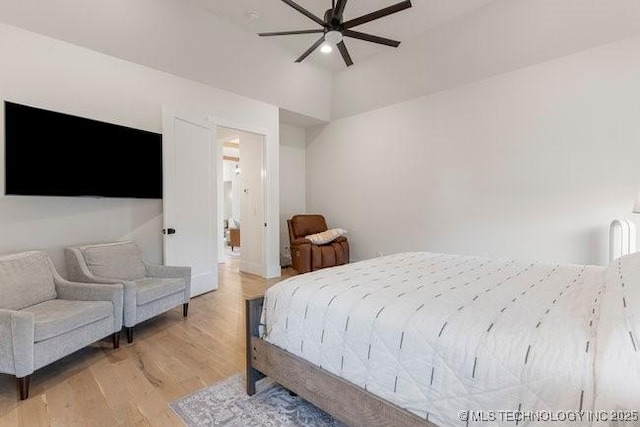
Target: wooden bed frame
point(345, 401)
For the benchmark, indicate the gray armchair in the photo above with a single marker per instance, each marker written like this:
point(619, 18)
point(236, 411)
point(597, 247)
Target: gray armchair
point(44, 317)
point(149, 290)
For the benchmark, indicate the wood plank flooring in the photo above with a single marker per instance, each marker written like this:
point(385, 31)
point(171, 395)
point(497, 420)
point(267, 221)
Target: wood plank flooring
point(132, 386)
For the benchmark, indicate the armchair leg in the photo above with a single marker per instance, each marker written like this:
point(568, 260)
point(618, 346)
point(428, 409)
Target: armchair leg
point(116, 339)
point(23, 386)
point(129, 332)
point(185, 309)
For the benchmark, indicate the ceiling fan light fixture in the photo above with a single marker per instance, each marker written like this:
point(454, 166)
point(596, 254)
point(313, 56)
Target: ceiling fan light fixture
point(334, 28)
point(326, 48)
point(333, 37)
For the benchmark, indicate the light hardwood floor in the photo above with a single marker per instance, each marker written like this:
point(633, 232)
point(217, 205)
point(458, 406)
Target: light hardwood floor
point(132, 386)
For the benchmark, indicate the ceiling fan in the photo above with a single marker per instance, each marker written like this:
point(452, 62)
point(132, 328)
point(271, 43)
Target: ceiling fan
point(334, 29)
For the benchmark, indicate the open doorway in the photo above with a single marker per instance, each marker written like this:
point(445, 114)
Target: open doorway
point(243, 201)
point(230, 141)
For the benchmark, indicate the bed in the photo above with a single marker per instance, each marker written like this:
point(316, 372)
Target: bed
point(427, 339)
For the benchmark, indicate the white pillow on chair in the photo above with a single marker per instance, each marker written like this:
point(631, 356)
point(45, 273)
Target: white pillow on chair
point(326, 236)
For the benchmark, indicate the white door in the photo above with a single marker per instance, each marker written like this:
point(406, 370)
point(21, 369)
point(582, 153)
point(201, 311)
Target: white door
point(252, 202)
point(190, 198)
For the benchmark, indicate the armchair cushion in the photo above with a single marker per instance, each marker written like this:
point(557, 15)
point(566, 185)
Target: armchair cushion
point(93, 292)
point(121, 260)
point(301, 241)
point(56, 317)
point(150, 288)
point(25, 280)
point(304, 225)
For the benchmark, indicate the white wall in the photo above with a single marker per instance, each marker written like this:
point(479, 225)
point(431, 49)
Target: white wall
point(229, 175)
point(44, 72)
point(292, 182)
point(503, 36)
point(227, 169)
point(533, 164)
point(180, 37)
point(228, 191)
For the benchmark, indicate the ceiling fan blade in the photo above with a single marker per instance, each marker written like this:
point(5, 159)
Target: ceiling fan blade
point(378, 14)
point(345, 54)
point(304, 11)
point(370, 38)
point(287, 33)
point(311, 49)
point(338, 10)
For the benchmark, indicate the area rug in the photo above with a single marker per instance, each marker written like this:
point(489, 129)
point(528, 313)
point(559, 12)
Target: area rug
point(226, 403)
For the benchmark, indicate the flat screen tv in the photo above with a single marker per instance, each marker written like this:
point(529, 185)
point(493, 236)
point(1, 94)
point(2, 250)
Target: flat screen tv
point(55, 154)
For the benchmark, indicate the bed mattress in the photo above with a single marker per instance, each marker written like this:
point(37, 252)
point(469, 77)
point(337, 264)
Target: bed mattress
point(443, 334)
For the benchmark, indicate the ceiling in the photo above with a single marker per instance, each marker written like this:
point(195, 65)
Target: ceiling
point(296, 119)
point(274, 15)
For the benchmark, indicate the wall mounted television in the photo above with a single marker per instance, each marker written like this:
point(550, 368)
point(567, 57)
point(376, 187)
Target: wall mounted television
point(54, 154)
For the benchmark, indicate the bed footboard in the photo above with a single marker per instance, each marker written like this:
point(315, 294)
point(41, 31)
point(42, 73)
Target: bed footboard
point(253, 311)
point(346, 402)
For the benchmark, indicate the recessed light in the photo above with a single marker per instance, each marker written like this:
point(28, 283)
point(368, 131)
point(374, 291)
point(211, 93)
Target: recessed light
point(326, 48)
point(252, 15)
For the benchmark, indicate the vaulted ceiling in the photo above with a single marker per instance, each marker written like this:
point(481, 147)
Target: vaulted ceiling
point(274, 15)
point(445, 43)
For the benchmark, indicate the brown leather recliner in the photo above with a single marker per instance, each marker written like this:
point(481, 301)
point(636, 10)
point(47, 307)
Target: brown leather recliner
point(305, 256)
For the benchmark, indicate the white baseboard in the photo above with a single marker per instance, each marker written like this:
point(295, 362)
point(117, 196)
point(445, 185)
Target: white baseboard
point(273, 271)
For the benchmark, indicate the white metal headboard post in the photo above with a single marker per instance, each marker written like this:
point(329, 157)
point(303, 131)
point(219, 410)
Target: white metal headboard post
point(622, 238)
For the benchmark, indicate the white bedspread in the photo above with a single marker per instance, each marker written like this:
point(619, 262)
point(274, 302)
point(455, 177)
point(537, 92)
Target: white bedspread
point(439, 334)
point(617, 370)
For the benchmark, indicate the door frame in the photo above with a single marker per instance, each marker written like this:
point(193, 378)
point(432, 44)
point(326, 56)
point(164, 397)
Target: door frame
point(266, 184)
